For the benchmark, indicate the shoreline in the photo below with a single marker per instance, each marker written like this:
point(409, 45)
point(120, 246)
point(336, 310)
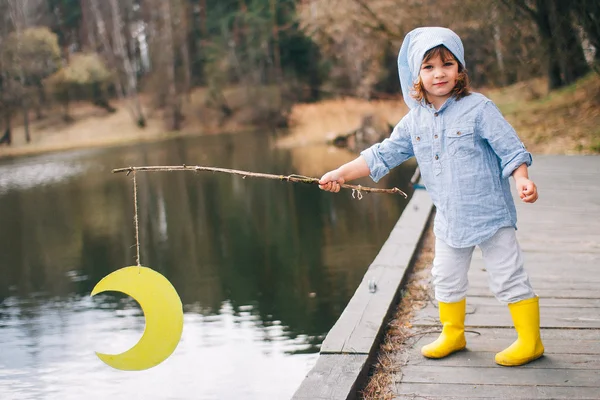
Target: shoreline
point(540, 123)
point(143, 137)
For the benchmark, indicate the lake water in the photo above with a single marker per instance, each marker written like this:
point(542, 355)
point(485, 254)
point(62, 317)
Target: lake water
point(263, 268)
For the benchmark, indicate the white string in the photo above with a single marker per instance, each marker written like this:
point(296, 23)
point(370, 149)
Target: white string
point(137, 228)
point(357, 194)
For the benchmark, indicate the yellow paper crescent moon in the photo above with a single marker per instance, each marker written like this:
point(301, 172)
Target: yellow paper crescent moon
point(163, 311)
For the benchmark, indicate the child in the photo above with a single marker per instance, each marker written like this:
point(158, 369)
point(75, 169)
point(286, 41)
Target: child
point(466, 152)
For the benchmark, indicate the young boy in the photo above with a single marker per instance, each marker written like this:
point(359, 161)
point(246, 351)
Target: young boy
point(466, 152)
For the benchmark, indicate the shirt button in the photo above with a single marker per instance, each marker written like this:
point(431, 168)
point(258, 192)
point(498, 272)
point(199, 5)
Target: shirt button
point(418, 138)
point(437, 157)
point(436, 136)
point(458, 133)
point(436, 114)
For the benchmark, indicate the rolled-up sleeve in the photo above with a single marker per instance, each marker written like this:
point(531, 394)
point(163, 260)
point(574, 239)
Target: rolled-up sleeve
point(384, 156)
point(503, 139)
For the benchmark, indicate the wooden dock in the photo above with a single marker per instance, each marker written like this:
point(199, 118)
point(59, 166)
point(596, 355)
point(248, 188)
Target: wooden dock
point(352, 343)
point(560, 237)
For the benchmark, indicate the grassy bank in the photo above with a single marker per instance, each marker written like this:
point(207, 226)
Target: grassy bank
point(566, 121)
point(91, 126)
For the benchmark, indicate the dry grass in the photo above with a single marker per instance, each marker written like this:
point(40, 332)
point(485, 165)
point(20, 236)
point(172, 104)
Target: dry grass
point(317, 122)
point(94, 127)
point(566, 121)
point(399, 332)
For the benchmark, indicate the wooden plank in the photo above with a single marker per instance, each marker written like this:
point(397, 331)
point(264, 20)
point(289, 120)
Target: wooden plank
point(475, 357)
point(545, 283)
point(554, 165)
point(554, 223)
point(332, 378)
point(577, 335)
point(498, 375)
point(488, 343)
point(414, 391)
point(342, 364)
point(560, 262)
point(361, 323)
point(542, 292)
point(557, 247)
point(561, 245)
point(541, 280)
point(488, 316)
point(474, 303)
point(395, 255)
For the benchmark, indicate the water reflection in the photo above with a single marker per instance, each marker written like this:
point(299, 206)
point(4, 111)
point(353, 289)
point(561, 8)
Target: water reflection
point(263, 268)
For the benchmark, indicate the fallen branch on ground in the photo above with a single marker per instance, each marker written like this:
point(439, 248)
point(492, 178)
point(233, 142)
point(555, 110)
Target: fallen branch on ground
point(289, 178)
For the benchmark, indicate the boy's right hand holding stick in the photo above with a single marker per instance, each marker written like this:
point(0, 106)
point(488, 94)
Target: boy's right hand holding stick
point(333, 180)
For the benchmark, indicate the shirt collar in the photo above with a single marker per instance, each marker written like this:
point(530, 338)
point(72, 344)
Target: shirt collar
point(432, 109)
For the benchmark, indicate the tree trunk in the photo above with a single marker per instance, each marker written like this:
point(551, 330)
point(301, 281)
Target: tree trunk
point(571, 58)
point(85, 37)
point(565, 58)
point(169, 65)
point(276, 50)
point(17, 14)
point(26, 121)
point(184, 32)
point(7, 137)
point(122, 54)
point(498, 46)
point(545, 28)
point(66, 109)
point(41, 101)
point(203, 16)
point(119, 59)
point(587, 13)
point(107, 48)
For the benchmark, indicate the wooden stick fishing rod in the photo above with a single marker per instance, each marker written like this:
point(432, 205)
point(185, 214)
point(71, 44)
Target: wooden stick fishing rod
point(289, 178)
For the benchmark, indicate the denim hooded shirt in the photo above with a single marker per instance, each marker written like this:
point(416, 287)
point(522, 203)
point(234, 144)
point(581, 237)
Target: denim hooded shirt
point(466, 151)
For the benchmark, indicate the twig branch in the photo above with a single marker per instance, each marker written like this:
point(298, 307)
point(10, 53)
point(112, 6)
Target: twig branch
point(289, 178)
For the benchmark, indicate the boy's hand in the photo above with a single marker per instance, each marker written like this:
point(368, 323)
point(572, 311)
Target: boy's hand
point(331, 181)
point(527, 190)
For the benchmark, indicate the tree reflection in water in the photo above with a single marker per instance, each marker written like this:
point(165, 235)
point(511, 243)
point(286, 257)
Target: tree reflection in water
point(286, 256)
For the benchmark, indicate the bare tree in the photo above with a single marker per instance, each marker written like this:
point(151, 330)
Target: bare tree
point(183, 23)
point(276, 50)
point(18, 16)
point(168, 61)
point(498, 44)
point(563, 51)
point(587, 14)
point(119, 59)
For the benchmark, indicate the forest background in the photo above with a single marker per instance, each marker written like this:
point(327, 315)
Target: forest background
point(87, 72)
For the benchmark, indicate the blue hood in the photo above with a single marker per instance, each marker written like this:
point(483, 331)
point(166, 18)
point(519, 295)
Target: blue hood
point(416, 43)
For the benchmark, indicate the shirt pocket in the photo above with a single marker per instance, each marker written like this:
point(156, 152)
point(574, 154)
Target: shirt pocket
point(421, 141)
point(460, 141)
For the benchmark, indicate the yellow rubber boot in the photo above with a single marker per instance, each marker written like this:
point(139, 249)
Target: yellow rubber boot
point(528, 346)
point(452, 338)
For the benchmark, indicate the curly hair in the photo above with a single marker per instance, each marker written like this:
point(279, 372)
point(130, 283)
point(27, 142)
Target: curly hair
point(462, 87)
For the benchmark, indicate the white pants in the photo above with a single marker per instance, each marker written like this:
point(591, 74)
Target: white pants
point(504, 263)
